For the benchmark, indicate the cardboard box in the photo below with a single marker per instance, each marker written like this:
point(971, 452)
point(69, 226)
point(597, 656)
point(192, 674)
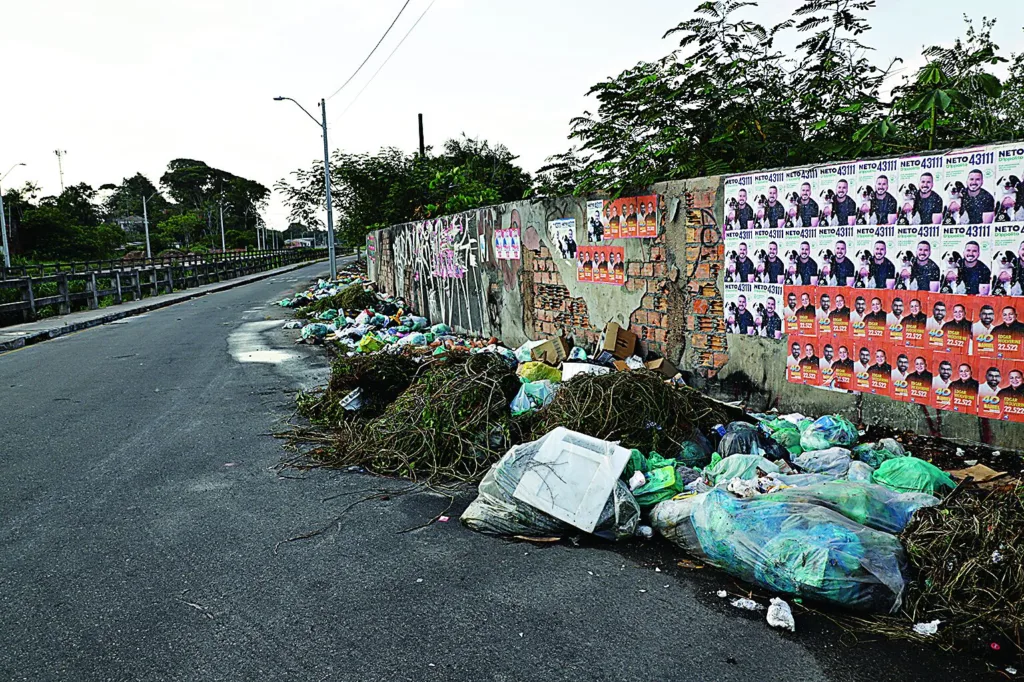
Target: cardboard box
point(663, 367)
point(562, 347)
point(618, 342)
point(620, 366)
point(546, 352)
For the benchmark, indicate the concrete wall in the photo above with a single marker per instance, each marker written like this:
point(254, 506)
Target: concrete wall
point(672, 300)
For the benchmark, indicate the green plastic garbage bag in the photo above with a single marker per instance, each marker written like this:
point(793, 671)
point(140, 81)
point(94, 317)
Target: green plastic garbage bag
point(316, 331)
point(661, 485)
point(328, 315)
point(414, 339)
point(873, 454)
point(369, 344)
point(637, 462)
point(874, 506)
point(739, 466)
point(656, 461)
point(694, 454)
point(913, 475)
point(538, 371)
point(788, 437)
point(532, 395)
point(828, 431)
point(441, 329)
point(417, 323)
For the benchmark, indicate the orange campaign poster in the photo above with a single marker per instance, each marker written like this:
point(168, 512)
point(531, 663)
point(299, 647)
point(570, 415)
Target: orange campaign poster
point(839, 316)
point(899, 388)
point(631, 217)
point(919, 381)
point(938, 309)
point(993, 379)
point(858, 327)
point(806, 311)
point(826, 302)
point(842, 367)
point(1008, 333)
point(915, 320)
point(985, 321)
point(861, 366)
point(794, 372)
point(965, 385)
point(876, 318)
point(1012, 397)
point(810, 363)
point(880, 371)
point(957, 328)
point(601, 264)
point(585, 264)
point(894, 332)
point(944, 375)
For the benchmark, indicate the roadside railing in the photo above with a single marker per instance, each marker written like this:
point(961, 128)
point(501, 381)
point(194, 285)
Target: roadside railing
point(30, 297)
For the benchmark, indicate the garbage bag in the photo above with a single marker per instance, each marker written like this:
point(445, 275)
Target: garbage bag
point(832, 462)
point(414, 339)
point(328, 315)
point(747, 439)
point(874, 454)
point(363, 318)
point(827, 431)
point(686, 475)
point(661, 485)
point(804, 550)
point(369, 344)
point(532, 396)
point(578, 353)
point(739, 466)
point(316, 331)
point(860, 472)
point(788, 436)
point(538, 371)
point(868, 504)
point(637, 462)
point(913, 475)
point(441, 329)
point(524, 352)
point(495, 511)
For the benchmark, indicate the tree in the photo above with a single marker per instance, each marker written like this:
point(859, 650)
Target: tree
point(181, 231)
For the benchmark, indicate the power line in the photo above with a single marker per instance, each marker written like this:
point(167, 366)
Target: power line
point(373, 50)
point(384, 63)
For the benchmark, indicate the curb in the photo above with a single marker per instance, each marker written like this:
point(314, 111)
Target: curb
point(54, 332)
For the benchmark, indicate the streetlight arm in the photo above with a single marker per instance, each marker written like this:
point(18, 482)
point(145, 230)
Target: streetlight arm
point(4, 176)
point(311, 117)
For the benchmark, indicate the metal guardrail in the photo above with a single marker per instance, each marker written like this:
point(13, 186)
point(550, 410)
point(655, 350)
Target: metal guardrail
point(131, 280)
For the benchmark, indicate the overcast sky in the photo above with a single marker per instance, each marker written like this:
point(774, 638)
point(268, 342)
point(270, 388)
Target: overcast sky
point(127, 85)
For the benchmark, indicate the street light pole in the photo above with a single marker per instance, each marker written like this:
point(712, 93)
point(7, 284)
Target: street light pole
point(3, 220)
point(223, 247)
point(327, 177)
point(145, 221)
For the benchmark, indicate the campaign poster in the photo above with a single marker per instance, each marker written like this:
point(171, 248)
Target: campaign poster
point(970, 183)
point(965, 385)
point(835, 251)
point(602, 268)
point(810, 364)
point(739, 318)
point(794, 370)
point(880, 371)
point(768, 255)
point(836, 184)
point(739, 257)
point(938, 312)
point(826, 364)
point(631, 217)
point(958, 328)
point(862, 363)
point(900, 376)
point(826, 297)
point(1012, 397)
point(919, 381)
point(1008, 333)
point(873, 263)
point(515, 251)
point(858, 323)
point(769, 200)
point(915, 321)
point(791, 303)
point(617, 265)
point(842, 368)
point(767, 310)
point(967, 251)
point(1006, 266)
point(585, 264)
point(562, 233)
point(898, 304)
point(500, 244)
point(921, 190)
point(598, 215)
point(839, 315)
point(986, 314)
point(805, 318)
point(802, 266)
point(876, 182)
point(808, 208)
point(790, 196)
point(877, 316)
point(992, 381)
point(945, 374)
point(1009, 187)
point(915, 253)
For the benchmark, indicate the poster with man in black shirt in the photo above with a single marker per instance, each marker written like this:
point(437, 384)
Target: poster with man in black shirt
point(739, 213)
point(838, 205)
point(975, 170)
point(875, 179)
point(925, 175)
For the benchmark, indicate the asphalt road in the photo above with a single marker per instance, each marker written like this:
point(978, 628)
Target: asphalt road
point(141, 511)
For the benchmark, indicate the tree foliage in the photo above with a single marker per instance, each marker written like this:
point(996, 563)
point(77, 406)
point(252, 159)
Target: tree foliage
point(373, 190)
point(729, 98)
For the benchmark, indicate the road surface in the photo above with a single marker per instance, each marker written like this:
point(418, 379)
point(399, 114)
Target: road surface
point(141, 512)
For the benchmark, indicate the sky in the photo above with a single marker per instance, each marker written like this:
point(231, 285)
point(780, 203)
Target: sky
point(124, 86)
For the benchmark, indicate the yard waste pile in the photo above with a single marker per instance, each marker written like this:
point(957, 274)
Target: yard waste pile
point(602, 441)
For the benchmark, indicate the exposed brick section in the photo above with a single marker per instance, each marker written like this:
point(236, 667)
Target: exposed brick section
point(705, 325)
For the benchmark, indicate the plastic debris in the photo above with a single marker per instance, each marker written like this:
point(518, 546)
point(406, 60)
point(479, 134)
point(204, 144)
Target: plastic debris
point(292, 324)
point(834, 461)
point(828, 431)
point(913, 475)
point(636, 480)
point(739, 466)
point(874, 454)
point(532, 395)
point(538, 371)
point(860, 472)
point(780, 615)
point(645, 532)
point(722, 594)
point(747, 604)
point(927, 629)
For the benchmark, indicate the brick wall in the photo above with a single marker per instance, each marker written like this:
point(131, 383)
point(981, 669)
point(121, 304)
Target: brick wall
point(705, 317)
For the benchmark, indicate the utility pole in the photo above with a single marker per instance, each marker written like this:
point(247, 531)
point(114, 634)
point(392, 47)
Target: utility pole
point(222, 247)
point(423, 146)
point(60, 165)
point(3, 221)
point(145, 222)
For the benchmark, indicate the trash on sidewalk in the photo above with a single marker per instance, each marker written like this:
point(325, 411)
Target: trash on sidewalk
point(747, 604)
point(913, 475)
point(927, 629)
point(780, 615)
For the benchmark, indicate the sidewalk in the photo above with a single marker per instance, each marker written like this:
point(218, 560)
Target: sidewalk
point(20, 335)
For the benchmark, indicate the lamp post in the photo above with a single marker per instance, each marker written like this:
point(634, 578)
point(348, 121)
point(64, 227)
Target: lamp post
point(3, 220)
point(327, 176)
point(145, 221)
